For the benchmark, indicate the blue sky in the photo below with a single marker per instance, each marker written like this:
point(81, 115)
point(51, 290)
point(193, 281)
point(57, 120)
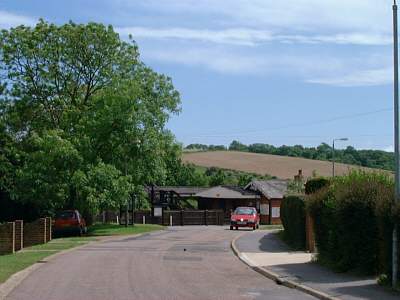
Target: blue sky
point(278, 72)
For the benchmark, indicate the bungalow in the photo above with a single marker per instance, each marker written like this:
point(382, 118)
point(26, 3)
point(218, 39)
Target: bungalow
point(226, 198)
point(271, 194)
point(264, 195)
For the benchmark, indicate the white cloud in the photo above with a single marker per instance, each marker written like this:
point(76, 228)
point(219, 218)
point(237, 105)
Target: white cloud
point(340, 38)
point(226, 61)
point(358, 78)
point(310, 15)
point(216, 60)
point(238, 36)
point(323, 69)
point(206, 30)
point(8, 20)
point(252, 37)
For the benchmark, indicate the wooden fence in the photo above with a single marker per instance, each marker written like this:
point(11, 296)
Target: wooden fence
point(177, 217)
point(16, 235)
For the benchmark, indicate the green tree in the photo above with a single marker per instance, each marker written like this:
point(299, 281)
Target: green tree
point(84, 114)
point(218, 178)
point(44, 176)
point(237, 146)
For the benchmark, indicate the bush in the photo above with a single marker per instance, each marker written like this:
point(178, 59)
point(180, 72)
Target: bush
point(316, 184)
point(293, 219)
point(353, 222)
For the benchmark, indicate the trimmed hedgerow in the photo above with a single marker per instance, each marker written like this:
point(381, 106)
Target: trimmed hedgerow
point(315, 184)
point(354, 218)
point(293, 220)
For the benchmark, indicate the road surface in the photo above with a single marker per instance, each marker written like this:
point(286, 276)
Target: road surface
point(191, 262)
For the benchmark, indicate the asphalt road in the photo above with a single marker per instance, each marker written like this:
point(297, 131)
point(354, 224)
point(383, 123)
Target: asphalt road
point(189, 262)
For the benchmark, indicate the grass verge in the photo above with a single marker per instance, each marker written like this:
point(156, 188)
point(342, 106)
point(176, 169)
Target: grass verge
point(13, 263)
point(115, 229)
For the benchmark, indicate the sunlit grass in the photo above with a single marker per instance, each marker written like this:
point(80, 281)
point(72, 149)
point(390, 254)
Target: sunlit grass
point(115, 229)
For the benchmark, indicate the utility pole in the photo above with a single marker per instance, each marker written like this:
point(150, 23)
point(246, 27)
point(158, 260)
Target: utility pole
point(333, 158)
point(396, 139)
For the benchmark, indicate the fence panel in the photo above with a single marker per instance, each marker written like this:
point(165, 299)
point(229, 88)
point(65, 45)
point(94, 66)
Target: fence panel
point(7, 238)
point(35, 233)
point(19, 235)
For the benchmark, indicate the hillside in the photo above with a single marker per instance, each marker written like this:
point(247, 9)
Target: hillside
point(280, 166)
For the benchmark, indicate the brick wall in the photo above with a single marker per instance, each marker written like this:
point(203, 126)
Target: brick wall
point(7, 238)
point(19, 235)
point(35, 233)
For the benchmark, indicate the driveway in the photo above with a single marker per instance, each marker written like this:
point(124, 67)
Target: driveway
point(191, 262)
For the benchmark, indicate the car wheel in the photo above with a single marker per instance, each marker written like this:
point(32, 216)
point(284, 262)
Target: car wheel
point(231, 228)
point(258, 226)
point(237, 228)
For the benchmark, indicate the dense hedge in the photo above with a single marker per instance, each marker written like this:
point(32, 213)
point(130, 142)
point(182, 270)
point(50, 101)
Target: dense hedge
point(315, 184)
point(353, 223)
point(293, 220)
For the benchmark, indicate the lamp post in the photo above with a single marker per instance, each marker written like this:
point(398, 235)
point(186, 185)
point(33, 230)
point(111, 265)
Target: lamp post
point(396, 139)
point(333, 153)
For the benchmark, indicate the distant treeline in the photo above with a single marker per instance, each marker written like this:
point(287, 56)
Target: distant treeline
point(202, 147)
point(366, 158)
point(191, 175)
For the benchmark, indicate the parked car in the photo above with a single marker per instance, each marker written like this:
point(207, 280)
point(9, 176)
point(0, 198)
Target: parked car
point(69, 222)
point(245, 217)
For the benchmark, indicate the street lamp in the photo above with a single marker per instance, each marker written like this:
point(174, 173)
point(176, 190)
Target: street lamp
point(396, 139)
point(333, 153)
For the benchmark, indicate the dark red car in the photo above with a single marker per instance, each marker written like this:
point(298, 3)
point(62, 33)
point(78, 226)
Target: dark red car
point(245, 217)
point(69, 222)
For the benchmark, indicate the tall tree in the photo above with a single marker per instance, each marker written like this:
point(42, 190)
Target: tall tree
point(87, 116)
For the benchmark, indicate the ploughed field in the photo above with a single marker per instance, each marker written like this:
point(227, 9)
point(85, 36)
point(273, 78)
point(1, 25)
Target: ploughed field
point(280, 166)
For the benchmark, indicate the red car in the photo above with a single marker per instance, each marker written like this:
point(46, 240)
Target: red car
point(245, 217)
point(69, 222)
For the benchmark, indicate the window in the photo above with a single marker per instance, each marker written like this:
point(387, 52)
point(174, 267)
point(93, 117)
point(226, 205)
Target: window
point(65, 215)
point(244, 211)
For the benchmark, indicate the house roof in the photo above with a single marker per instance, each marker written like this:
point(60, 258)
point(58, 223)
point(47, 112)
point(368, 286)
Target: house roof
point(227, 192)
point(180, 190)
point(271, 189)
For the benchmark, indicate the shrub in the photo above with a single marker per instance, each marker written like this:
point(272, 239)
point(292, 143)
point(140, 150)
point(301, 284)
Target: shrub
point(353, 219)
point(315, 184)
point(293, 220)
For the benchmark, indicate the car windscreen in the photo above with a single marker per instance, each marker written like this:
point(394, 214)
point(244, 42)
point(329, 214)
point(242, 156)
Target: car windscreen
point(65, 215)
point(244, 211)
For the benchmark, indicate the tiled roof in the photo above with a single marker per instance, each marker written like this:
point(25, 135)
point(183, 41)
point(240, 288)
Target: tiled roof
point(272, 189)
point(181, 190)
point(227, 192)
